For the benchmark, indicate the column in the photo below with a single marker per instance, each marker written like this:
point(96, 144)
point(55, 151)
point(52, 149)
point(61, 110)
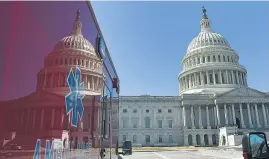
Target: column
point(264, 116)
point(186, 84)
point(257, 116)
point(207, 77)
point(227, 77)
point(200, 118)
point(97, 85)
point(249, 117)
point(225, 114)
point(140, 119)
point(202, 78)
point(59, 80)
point(240, 78)
point(220, 77)
point(184, 116)
point(195, 80)
point(218, 116)
point(86, 81)
point(233, 79)
point(62, 118)
point(243, 80)
point(214, 77)
point(207, 118)
point(190, 83)
point(93, 84)
point(42, 118)
point(214, 111)
point(192, 119)
point(230, 120)
point(34, 110)
point(52, 117)
point(242, 116)
point(27, 120)
point(237, 78)
point(246, 81)
point(45, 80)
point(234, 120)
point(52, 80)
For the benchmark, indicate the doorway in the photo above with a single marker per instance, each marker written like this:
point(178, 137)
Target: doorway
point(238, 123)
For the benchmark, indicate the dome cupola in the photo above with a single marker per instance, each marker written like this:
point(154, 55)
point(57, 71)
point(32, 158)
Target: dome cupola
point(75, 40)
point(207, 37)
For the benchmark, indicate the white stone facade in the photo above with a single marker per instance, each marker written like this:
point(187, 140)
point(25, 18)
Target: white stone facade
point(213, 97)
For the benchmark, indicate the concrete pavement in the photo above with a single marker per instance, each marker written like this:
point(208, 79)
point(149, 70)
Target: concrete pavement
point(188, 154)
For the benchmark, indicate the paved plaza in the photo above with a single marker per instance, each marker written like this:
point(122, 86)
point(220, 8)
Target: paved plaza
point(188, 154)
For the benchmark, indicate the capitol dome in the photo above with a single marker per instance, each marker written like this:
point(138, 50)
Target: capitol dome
point(75, 40)
point(70, 52)
point(210, 65)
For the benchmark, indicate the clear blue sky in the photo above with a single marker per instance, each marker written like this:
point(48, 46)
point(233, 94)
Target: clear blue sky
point(148, 40)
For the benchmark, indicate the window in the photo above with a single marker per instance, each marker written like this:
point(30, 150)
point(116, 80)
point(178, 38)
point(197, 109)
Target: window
point(228, 58)
point(147, 111)
point(203, 59)
point(217, 78)
point(135, 111)
point(135, 123)
point(160, 123)
point(159, 110)
point(222, 77)
point(198, 60)
point(134, 139)
point(125, 123)
point(160, 139)
point(124, 110)
point(208, 58)
point(219, 58)
point(169, 110)
point(147, 122)
point(205, 79)
point(214, 58)
point(211, 78)
point(170, 139)
point(224, 58)
point(147, 138)
point(170, 124)
point(124, 137)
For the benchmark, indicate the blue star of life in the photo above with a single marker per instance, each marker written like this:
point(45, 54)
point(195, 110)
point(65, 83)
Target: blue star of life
point(73, 101)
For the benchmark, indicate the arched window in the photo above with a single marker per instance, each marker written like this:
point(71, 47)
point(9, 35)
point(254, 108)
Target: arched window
point(214, 139)
point(190, 140)
point(198, 141)
point(206, 139)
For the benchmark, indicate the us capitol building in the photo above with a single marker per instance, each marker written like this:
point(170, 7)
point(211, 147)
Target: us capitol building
point(215, 106)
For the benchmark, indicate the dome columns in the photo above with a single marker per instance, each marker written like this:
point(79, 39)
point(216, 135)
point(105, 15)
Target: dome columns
point(212, 78)
point(56, 80)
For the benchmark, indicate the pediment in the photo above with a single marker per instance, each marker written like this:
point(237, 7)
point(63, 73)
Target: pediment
point(243, 92)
